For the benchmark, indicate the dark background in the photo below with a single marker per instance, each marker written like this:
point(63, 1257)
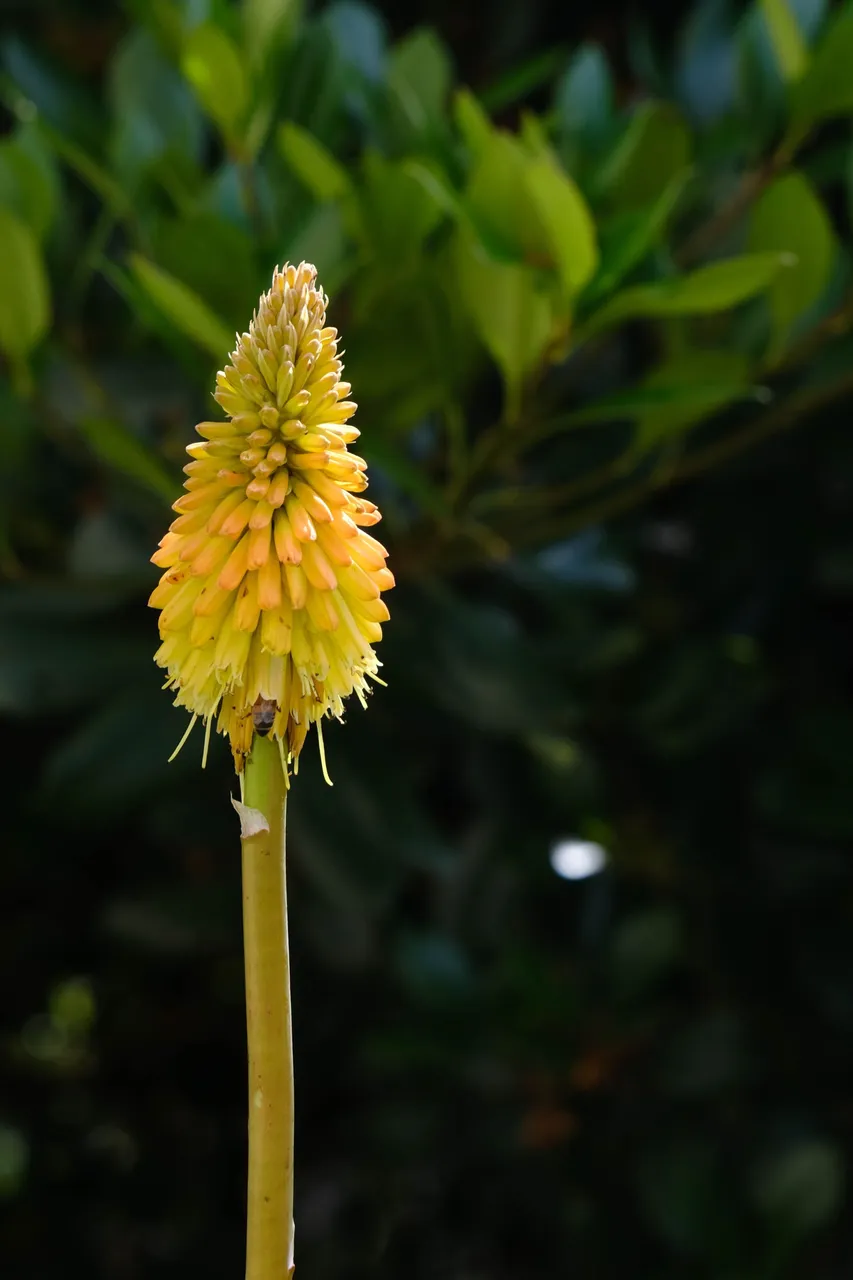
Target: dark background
point(500, 1073)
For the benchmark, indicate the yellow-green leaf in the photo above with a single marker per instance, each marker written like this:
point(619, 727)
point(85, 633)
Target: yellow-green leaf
point(24, 289)
point(472, 121)
point(114, 445)
point(785, 36)
point(316, 167)
point(567, 221)
point(498, 199)
point(789, 217)
point(826, 88)
point(629, 237)
point(186, 310)
point(213, 65)
point(267, 25)
point(513, 319)
point(419, 77)
point(692, 386)
point(717, 287)
point(654, 148)
point(28, 182)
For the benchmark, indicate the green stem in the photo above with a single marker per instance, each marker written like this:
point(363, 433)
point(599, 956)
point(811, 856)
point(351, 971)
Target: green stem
point(269, 1238)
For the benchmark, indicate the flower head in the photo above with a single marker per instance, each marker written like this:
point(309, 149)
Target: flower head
point(270, 600)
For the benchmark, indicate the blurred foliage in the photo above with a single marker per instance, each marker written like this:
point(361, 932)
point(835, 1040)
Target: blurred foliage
point(579, 284)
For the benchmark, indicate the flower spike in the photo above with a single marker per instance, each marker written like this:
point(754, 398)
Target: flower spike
point(270, 596)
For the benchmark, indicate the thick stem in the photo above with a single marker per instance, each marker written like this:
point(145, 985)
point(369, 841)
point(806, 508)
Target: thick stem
point(269, 1239)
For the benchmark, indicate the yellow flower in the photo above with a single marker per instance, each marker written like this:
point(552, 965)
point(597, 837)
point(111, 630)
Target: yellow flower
point(270, 600)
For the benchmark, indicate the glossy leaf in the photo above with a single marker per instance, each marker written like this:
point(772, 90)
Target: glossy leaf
point(212, 64)
point(24, 288)
point(688, 385)
point(398, 211)
point(499, 201)
point(691, 386)
point(630, 237)
point(788, 44)
point(710, 289)
point(267, 25)
point(359, 37)
point(654, 149)
point(583, 98)
point(184, 308)
point(316, 167)
point(826, 88)
point(513, 319)
point(472, 121)
point(28, 181)
point(125, 453)
point(568, 223)
point(790, 217)
point(419, 77)
point(155, 111)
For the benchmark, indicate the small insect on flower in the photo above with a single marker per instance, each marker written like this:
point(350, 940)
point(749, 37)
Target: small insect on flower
point(263, 715)
point(270, 600)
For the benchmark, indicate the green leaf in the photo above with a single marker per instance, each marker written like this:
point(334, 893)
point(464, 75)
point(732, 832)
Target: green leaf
point(435, 181)
point(523, 79)
point(409, 477)
point(399, 210)
point(513, 319)
point(28, 181)
point(414, 344)
point(568, 223)
point(14, 1161)
point(629, 237)
point(655, 148)
point(534, 138)
point(58, 96)
point(212, 256)
point(268, 24)
point(154, 111)
point(419, 77)
point(315, 167)
point(497, 197)
point(117, 199)
point(583, 98)
point(184, 308)
point(358, 33)
point(472, 121)
point(786, 37)
point(801, 1188)
point(323, 240)
point(502, 205)
point(212, 64)
point(115, 446)
point(24, 289)
point(691, 386)
point(826, 88)
point(789, 217)
point(705, 64)
point(717, 287)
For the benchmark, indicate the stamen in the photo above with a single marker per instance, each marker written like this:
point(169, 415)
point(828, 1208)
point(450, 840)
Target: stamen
point(323, 752)
point(189, 730)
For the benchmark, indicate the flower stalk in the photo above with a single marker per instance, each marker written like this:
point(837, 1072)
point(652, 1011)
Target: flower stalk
point(270, 605)
point(269, 1231)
